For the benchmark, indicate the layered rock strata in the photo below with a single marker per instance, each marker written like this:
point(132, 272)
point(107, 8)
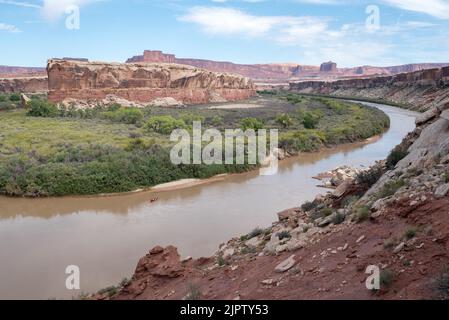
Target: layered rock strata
point(142, 83)
point(420, 90)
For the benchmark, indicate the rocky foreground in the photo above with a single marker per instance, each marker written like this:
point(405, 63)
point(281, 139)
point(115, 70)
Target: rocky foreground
point(394, 215)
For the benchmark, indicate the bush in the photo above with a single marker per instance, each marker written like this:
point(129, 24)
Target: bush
point(391, 188)
point(125, 115)
point(339, 219)
point(386, 278)
point(284, 235)
point(370, 177)
point(310, 121)
point(362, 214)
point(42, 108)
point(7, 105)
point(395, 156)
point(251, 123)
point(164, 124)
point(15, 97)
point(284, 120)
point(217, 121)
point(410, 233)
point(326, 212)
point(2, 97)
point(446, 178)
point(308, 206)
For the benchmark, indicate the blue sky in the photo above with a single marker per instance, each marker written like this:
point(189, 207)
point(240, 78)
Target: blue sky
point(242, 31)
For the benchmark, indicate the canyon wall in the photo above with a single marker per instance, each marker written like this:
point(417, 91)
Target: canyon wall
point(26, 85)
point(142, 83)
point(256, 71)
point(282, 71)
point(418, 90)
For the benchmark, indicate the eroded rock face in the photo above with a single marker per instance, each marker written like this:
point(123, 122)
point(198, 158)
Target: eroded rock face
point(142, 83)
point(27, 85)
point(420, 90)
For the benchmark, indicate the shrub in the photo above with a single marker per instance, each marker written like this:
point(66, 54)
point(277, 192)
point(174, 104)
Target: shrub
point(284, 235)
point(136, 144)
point(395, 156)
point(386, 278)
point(217, 121)
point(7, 105)
point(308, 206)
point(125, 115)
point(410, 233)
point(15, 97)
point(349, 200)
point(251, 123)
point(42, 108)
point(164, 124)
point(310, 121)
point(362, 214)
point(189, 118)
point(390, 188)
point(370, 177)
point(326, 212)
point(193, 293)
point(284, 120)
point(338, 219)
point(2, 98)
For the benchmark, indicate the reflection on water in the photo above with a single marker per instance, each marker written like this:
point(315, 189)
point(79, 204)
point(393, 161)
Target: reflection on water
point(105, 237)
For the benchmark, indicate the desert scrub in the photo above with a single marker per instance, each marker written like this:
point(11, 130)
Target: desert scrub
point(390, 188)
point(387, 277)
point(164, 124)
point(193, 293)
point(410, 233)
point(361, 214)
point(370, 177)
point(396, 156)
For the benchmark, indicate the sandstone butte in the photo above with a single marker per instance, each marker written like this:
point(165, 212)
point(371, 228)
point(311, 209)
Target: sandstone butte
point(142, 83)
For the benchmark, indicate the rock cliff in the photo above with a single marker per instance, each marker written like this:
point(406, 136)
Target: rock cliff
point(25, 85)
point(142, 83)
point(281, 71)
point(418, 90)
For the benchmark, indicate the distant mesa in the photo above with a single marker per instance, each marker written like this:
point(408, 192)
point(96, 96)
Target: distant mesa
point(328, 67)
point(75, 59)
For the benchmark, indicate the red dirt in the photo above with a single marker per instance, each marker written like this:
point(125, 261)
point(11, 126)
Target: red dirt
point(339, 275)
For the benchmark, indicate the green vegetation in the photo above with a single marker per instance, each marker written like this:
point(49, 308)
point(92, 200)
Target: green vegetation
point(386, 278)
point(284, 235)
point(370, 177)
point(193, 293)
point(164, 124)
point(362, 214)
point(390, 188)
point(410, 233)
point(395, 156)
point(51, 151)
point(284, 120)
point(9, 101)
point(251, 124)
point(255, 233)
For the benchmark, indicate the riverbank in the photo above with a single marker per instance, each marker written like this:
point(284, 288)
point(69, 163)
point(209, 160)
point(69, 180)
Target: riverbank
point(97, 152)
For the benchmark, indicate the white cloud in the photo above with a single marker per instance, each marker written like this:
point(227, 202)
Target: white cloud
point(435, 8)
point(228, 21)
point(20, 4)
point(54, 9)
point(316, 40)
point(9, 28)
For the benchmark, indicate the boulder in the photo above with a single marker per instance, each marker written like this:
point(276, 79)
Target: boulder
point(442, 191)
point(286, 265)
point(427, 116)
point(24, 101)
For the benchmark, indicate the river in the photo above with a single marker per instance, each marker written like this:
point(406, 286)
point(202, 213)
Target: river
point(105, 237)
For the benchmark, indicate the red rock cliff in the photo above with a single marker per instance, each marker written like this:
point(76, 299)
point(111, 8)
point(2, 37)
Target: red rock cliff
point(26, 85)
point(417, 90)
point(142, 83)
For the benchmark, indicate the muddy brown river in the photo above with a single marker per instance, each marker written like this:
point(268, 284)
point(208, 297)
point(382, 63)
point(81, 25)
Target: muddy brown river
point(105, 237)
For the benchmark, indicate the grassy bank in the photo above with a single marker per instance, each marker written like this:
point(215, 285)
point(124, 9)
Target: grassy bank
point(46, 151)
